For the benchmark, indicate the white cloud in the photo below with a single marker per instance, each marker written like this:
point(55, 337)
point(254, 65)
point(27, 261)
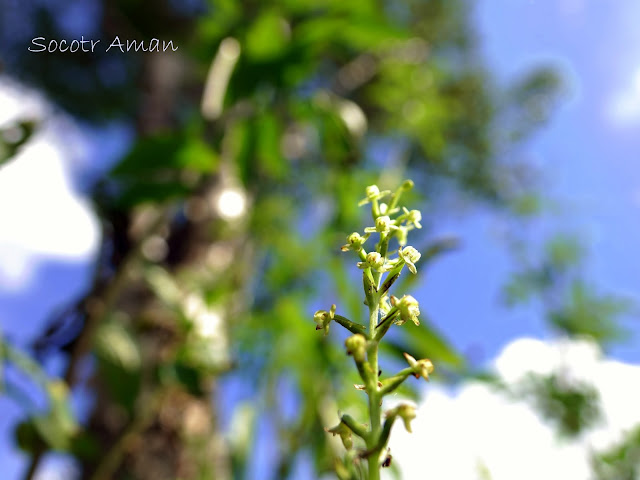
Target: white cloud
point(40, 215)
point(17, 102)
point(457, 435)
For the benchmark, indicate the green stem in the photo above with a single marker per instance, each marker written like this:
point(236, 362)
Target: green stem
point(395, 198)
point(382, 247)
point(374, 395)
point(375, 209)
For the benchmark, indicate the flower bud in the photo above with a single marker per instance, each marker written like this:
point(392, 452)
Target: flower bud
point(373, 193)
point(356, 346)
point(407, 185)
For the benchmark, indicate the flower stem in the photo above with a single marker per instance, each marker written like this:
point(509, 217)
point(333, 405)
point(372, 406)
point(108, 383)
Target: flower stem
point(374, 395)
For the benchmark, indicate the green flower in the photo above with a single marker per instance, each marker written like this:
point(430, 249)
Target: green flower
point(406, 412)
point(410, 256)
point(374, 260)
point(344, 432)
point(421, 368)
point(413, 217)
point(324, 318)
point(409, 309)
point(373, 193)
point(383, 225)
point(355, 242)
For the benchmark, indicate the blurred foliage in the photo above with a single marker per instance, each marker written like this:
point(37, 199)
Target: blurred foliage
point(571, 405)
point(621, 461)
point(324, 95)
point(54, 428)
point(571, 306)
point(587, 313)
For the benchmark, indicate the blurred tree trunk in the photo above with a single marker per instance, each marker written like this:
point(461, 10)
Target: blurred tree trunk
point(171, 432)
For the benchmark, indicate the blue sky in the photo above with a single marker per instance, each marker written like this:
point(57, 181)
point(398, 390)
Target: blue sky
point(588, 153)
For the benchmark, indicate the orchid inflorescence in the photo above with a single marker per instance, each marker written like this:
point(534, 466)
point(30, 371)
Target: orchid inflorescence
point(381, 268)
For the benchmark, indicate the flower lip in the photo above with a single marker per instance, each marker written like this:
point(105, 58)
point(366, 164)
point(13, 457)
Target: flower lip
point(410, 256)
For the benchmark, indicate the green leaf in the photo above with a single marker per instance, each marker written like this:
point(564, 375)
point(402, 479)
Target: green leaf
point(58, 427)
point(587, 313)
point(117, 346)
point(270, 158)
point(139, 192)
point(564, 251)
point(620, 461)
point(27, 437)
point(167, 151)
point(268, 37)
point(186, 375)
point(241, 142)
point(24, 362)
point(153, 170)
